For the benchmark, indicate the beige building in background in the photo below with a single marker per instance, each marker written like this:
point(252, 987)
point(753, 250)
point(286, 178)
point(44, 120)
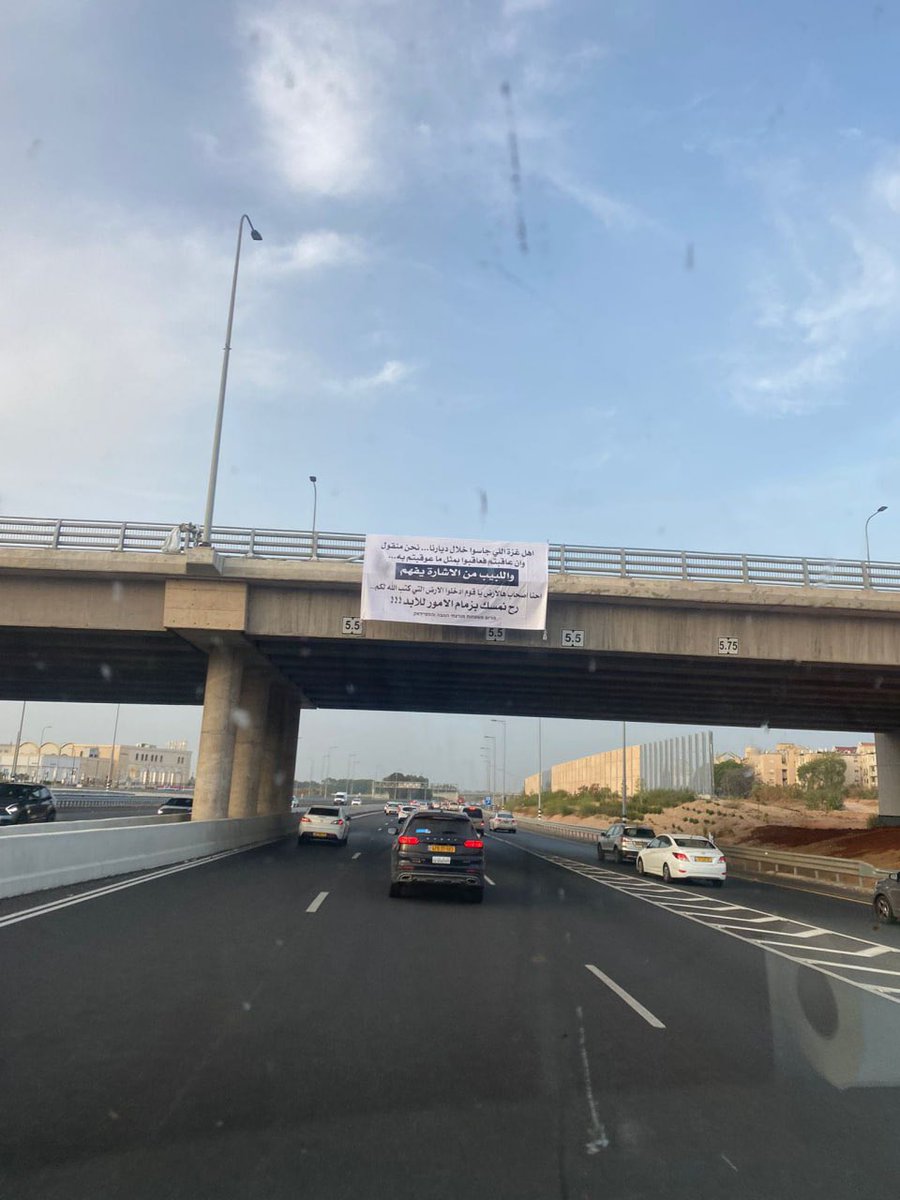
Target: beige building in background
point(779, 767)
point(73, 763)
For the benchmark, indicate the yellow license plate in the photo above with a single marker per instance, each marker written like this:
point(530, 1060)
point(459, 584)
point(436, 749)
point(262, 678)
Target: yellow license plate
point(702, 860)
point(442, 849)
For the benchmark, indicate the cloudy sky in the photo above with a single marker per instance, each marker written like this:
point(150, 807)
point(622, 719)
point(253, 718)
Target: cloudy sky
point(617, 272)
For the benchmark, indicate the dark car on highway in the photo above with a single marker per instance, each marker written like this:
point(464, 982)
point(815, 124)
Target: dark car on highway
point(21, 803)
point(886, 900)
point(178, 804)
point(438, 847)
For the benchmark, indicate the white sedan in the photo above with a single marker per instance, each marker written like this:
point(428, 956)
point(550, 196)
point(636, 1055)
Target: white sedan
point(503, 822)
point(678, 856)
point(324, 823)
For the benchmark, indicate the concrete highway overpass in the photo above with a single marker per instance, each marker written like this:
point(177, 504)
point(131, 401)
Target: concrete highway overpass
point(268, 637)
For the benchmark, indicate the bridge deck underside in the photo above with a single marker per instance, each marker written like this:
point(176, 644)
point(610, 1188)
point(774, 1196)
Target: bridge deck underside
point(163, 668)
point(563, 683)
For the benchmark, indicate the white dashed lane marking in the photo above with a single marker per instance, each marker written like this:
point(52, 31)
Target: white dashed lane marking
point(794, 940)
point(317, 903)
point(627, 997)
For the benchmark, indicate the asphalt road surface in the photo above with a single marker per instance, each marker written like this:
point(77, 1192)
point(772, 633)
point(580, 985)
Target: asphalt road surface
point(271, 1024)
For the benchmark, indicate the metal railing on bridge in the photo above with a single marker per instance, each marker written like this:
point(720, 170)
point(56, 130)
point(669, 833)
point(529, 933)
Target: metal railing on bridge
point(623, 563)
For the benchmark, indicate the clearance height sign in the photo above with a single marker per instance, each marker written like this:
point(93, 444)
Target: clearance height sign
point(454, 581)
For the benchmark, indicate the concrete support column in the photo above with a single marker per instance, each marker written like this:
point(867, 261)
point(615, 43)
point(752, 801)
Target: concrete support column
point(887, 756)
point(248, 742)
point(271, 772)
point(290, 731)
point(216, 753)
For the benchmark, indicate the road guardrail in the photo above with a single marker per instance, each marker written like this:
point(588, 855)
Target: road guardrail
point(52, 533)
point(787, 866)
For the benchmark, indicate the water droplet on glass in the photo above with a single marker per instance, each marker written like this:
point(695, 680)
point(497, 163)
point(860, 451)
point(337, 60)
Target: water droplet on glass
point(117, 592)
point(106, 671)
point(241, 718)
point(246, 1005)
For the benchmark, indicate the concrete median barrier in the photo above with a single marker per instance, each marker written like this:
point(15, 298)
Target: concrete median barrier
point(58, 856)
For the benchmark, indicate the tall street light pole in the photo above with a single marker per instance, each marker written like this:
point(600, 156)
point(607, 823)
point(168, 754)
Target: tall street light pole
point(15, 761)
point(220, 410)
point(313, 479)
point(540, 769)
point(37, 769)
point(501, 721)
point(490, 737)
point(112, 750)
point(624, 775)
point(881, 508)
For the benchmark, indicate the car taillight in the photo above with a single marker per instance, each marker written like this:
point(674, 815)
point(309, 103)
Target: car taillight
point(407, 841)
point(681, 857)
point(474, 844)
point(721, 858)
point(305, 821)
point(340, 820)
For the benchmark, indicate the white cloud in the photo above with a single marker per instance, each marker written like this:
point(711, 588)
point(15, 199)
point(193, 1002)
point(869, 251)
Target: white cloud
point(314, 80)
point(393, 372)
point(613, 213)
point(516, 8)
point(314, 251)
point(829, 297)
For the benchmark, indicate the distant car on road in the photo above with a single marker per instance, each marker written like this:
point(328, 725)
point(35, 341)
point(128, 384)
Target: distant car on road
point(678, 856)
point(324, 823)
point(623, 842)
point(355, 802)
point(438, 847)
point(22, 803)
point(886, 900)
point(404, 811)
point(177, 804)
point(503, 822)
point(475, 815)
point(390, 808)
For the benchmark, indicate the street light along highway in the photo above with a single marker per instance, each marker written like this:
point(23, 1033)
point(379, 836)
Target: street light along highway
point(217, 435)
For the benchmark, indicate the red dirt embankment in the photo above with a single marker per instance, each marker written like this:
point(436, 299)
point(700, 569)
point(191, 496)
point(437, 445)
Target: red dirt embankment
point(880, 847)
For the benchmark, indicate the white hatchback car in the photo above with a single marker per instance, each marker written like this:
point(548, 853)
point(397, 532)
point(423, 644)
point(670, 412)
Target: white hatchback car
point(685, 856)
point(324, 823)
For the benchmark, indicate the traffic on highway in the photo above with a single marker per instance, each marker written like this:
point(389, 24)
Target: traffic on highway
point(618, 1028)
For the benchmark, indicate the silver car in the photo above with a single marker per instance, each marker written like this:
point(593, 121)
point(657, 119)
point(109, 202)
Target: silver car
point(623, 842)
point(886, 901)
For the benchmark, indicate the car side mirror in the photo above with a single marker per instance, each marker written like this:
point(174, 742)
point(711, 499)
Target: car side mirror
point(393, 830)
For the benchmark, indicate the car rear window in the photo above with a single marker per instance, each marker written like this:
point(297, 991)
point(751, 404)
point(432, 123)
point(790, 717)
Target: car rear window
point(694, 843)
point(473, 812)
point(434, 823)
point(640, 831)
point(320, 810)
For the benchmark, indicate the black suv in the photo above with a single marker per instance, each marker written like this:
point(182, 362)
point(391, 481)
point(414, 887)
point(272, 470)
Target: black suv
point(24, 802)
point(438, 847)
point(177, 804)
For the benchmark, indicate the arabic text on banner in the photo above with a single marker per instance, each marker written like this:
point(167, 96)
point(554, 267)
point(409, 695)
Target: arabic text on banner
point(452, 581)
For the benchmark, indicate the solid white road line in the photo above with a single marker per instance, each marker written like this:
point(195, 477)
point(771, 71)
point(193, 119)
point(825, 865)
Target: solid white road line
point(53, 905)
point(317, 903)
point(357, 854)
point(623, 995)
point(487, 879)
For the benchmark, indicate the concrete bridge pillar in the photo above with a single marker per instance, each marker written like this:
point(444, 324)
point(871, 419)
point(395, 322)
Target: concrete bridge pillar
point(289, 752)
point(216, 753)
point(248, 742)
point(271, 769)
point(887, 755)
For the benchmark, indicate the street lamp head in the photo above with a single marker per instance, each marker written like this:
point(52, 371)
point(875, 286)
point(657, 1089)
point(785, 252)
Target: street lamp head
point(255, 234)
point(883, 508)
point(312, 479)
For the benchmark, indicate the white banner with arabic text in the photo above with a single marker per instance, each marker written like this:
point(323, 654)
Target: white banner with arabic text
point(455, 581)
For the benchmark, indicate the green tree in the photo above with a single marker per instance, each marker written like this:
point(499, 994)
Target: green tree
point(733, 779)
point(822, 780)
